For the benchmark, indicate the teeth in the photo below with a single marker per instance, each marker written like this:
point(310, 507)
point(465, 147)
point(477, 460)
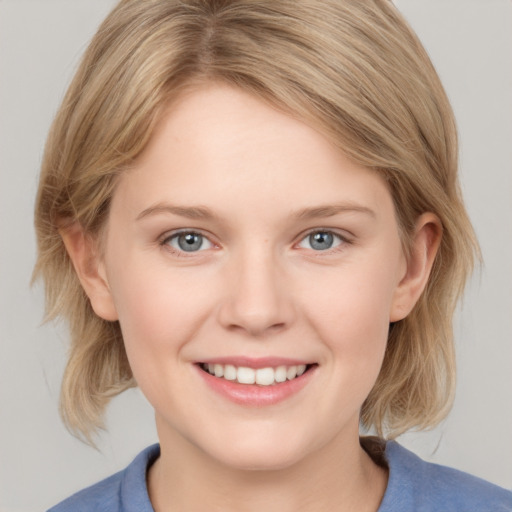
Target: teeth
point(265, 376)
point(245, 375)
point(280, 374)
point(229, 372)
point(262, 376)
point(291, 372)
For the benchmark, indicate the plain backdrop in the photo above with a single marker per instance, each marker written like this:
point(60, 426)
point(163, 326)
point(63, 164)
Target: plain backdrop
point(470, 42)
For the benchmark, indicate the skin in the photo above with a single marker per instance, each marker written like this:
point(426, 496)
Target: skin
point(256, 288)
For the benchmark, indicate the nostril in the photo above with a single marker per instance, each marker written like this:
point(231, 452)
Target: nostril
point(256, 328)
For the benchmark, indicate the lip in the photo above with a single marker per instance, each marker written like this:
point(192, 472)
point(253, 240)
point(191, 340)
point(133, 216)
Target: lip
point(254, 395)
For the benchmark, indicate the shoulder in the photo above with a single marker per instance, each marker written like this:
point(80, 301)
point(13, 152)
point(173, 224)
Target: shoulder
point(104, 495)
point(422, 486)
point(125, 491)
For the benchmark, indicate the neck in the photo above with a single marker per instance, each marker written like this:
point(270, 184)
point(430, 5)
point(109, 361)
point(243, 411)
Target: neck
point(339, 477)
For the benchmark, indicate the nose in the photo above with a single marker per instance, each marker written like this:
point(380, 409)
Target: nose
point(258, 299)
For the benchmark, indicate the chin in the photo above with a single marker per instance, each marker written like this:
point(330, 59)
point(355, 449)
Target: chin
point(270, 455)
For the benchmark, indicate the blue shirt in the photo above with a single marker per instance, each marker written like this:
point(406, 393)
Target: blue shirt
point(413, 486)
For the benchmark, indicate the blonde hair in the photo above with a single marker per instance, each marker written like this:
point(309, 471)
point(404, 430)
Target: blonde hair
point(354, 68)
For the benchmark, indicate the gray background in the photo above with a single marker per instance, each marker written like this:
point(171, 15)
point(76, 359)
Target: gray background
point(470, 42)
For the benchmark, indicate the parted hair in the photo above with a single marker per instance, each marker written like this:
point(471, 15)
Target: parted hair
point(352, 68)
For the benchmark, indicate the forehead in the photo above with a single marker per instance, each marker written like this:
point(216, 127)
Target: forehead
point(217, 145)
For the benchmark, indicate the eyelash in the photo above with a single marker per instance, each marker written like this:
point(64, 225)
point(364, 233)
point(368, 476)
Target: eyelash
point(166, 239)
point(343, 241)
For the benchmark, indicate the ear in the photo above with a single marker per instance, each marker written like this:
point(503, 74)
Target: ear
point(90, 269)
point(425, 244)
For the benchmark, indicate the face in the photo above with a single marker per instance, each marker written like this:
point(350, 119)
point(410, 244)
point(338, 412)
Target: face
point(243, 244)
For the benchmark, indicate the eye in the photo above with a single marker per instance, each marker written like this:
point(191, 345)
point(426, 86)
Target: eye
point(321, 241)
point(188, 241)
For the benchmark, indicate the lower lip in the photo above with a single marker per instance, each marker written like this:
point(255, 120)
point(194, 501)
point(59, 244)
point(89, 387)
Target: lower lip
point(255, 395)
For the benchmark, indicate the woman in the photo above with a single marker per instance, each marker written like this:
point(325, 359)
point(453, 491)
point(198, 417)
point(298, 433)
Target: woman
point(251, 210)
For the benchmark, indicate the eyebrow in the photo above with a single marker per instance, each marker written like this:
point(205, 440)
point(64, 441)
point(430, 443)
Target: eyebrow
point(329, 210)
point(190, 212)
point(204, 213)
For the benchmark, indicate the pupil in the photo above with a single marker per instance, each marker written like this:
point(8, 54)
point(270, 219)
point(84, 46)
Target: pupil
point(321, 241)
point(190, 242)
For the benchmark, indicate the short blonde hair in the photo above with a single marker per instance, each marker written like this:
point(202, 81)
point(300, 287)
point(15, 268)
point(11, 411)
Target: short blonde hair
point(354, 68)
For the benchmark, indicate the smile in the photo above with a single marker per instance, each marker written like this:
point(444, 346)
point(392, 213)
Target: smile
point(256, 382)
point(268, 376)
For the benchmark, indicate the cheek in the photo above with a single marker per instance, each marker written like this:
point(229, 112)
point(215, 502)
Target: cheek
point(159, 311)
point(350, 312)
point(157, 321)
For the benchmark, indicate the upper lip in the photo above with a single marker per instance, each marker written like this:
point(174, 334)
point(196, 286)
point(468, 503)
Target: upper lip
point(255, 362)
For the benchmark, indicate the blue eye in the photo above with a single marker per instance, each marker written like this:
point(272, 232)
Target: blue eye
point(321, 241)
point(189, 241)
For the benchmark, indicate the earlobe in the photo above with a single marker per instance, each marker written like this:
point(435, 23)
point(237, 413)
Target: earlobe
point(89, 267)
point(426, 241)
